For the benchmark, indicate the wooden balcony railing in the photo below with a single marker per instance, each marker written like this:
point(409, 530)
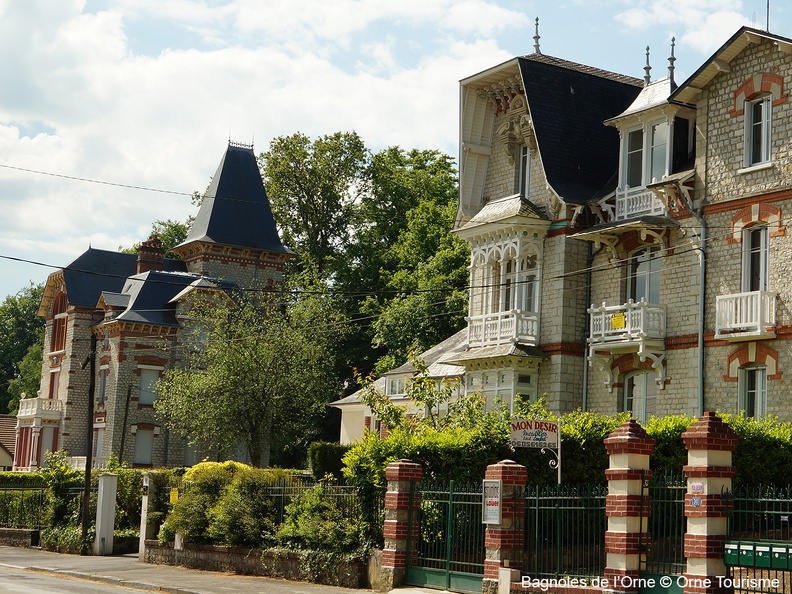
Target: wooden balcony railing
point(504, 327)
point(743, 316)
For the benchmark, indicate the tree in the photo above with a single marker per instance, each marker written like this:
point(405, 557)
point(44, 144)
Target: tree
point(28, 381)
point(20, 327)
point(313, 188)
point(170, 232)
point(403, 266)
point(264, 376)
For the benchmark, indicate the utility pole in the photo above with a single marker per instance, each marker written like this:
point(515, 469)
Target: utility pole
point(86, 500)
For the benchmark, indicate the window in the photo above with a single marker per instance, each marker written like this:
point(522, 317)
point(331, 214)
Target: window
point(644, 281)
point(98, 441)
point(634, 166)
point(144, 445)
point(757, 130)
point(102, 385)
point(526, 289)
point(659, 142)
point(148, 386)
point(640, 395)
point(54, 381)
point(753, 391)
point(524, 173)
point(60, 318)
point(396, 386)
point(754, 264)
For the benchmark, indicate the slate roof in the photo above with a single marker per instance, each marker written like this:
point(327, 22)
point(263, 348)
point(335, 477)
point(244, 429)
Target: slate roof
point(569, 103)
point(8, 433)
point(506, 208)
point(151, 297)
point(652, 95)
point(236, 210)
point(96, 271)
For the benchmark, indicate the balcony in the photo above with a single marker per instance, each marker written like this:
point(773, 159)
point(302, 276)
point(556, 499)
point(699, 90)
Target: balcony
point(79, 462)
point(745, 316)
point(503, 328)
point(627, 325)
point(40, 407)
point(636, 202)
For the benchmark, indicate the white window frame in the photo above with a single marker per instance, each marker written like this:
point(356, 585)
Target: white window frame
point(148, 401)
point(102, 388)
point(144, 446)
point(764, 126)
point(748, 262)
point(752, 386)
point(648, 403)
point(650, 257)
point(628, 153)
point(524, 172)
point(654, 147)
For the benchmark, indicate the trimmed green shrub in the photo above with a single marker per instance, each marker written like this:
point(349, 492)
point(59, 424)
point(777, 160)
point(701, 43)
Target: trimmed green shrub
point(669, 455)
point(327, 458)
point(763, 455)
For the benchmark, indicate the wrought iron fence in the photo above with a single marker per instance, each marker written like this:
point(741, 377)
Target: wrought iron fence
point(760, 516)
point(451, 534)
point(23, 507)
point(565, 531)
point(664, 539)
point(761, 513)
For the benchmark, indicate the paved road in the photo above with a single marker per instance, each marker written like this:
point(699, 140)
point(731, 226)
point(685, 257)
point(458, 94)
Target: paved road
point(126, 570)
point(22, 581)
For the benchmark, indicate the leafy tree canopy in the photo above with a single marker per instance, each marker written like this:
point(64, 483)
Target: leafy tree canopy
point(261, 380)
point(20, 327)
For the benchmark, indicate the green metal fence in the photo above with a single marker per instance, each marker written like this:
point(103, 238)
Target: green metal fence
point(447, 551)
point(664, 540)
point(760, 519)
point(565, 531)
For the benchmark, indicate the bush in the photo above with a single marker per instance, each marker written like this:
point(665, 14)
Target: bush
point(763, 455)
point(669, 455)
point(246, 513)
point(327, 458)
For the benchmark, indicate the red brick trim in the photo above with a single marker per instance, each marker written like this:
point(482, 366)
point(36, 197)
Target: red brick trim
point(701, 546)
point(682, 341)
point(709, 433)
point(711, 471)
point(768, 83)
point(629, 438)
point(752, 215)
point(572, 349)
point(730, 205)
point(624, 543)
point(508, 472)
point(403, 470)
point(757, 352)
point(710, 506)
point(626, 506)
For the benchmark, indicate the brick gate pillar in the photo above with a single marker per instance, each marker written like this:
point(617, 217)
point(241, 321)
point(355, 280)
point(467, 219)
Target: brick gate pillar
point(504, 542)
point(399, 514)
point(628, 449)
point(710, 443)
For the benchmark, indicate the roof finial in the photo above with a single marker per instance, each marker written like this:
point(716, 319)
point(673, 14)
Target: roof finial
point(647, 68)
point(671, 60)
point(536, 38)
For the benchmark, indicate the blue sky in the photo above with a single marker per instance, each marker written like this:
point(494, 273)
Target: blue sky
point(147, 92)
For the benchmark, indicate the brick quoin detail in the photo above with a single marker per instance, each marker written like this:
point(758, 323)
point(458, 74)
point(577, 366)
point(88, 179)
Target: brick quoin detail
point(504, 543)
point(403, 470)
point(617, 506)
point(401, 475)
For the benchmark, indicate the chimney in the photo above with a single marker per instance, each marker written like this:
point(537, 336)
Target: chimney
point(150, 255)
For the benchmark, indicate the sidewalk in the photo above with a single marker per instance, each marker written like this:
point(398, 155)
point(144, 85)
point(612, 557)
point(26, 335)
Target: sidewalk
point(126, 570)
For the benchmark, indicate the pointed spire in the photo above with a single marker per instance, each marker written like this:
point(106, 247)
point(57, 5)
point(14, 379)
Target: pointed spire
point(671, 60)
point(647, 69)
point(537, 37)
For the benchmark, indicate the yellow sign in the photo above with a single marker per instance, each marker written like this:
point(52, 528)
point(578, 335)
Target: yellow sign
point(617, 321)
point(174, 494)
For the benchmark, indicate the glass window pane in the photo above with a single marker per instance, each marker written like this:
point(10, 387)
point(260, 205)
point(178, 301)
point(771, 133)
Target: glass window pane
point(634, 176)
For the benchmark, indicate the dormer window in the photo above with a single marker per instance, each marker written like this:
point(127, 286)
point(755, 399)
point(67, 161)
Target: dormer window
point(757, 130)
point(646, 155)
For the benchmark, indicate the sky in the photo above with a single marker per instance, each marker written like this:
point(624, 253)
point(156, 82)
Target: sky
point(112, 112)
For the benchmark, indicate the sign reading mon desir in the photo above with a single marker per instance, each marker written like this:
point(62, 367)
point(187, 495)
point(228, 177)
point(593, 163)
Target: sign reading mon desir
point(534, 433)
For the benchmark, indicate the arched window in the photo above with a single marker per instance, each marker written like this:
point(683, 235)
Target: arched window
point(753, 391)
point(59, 323)
point(640, 395)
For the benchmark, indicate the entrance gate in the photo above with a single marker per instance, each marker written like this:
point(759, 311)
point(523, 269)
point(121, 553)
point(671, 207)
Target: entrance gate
point(447, 550)
point(663, 542)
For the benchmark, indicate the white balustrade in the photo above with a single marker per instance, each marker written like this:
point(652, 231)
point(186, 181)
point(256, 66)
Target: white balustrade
point(745, 315)
point(503, 327)
point(628, 322)
point(634, 202)
point(32, 407)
